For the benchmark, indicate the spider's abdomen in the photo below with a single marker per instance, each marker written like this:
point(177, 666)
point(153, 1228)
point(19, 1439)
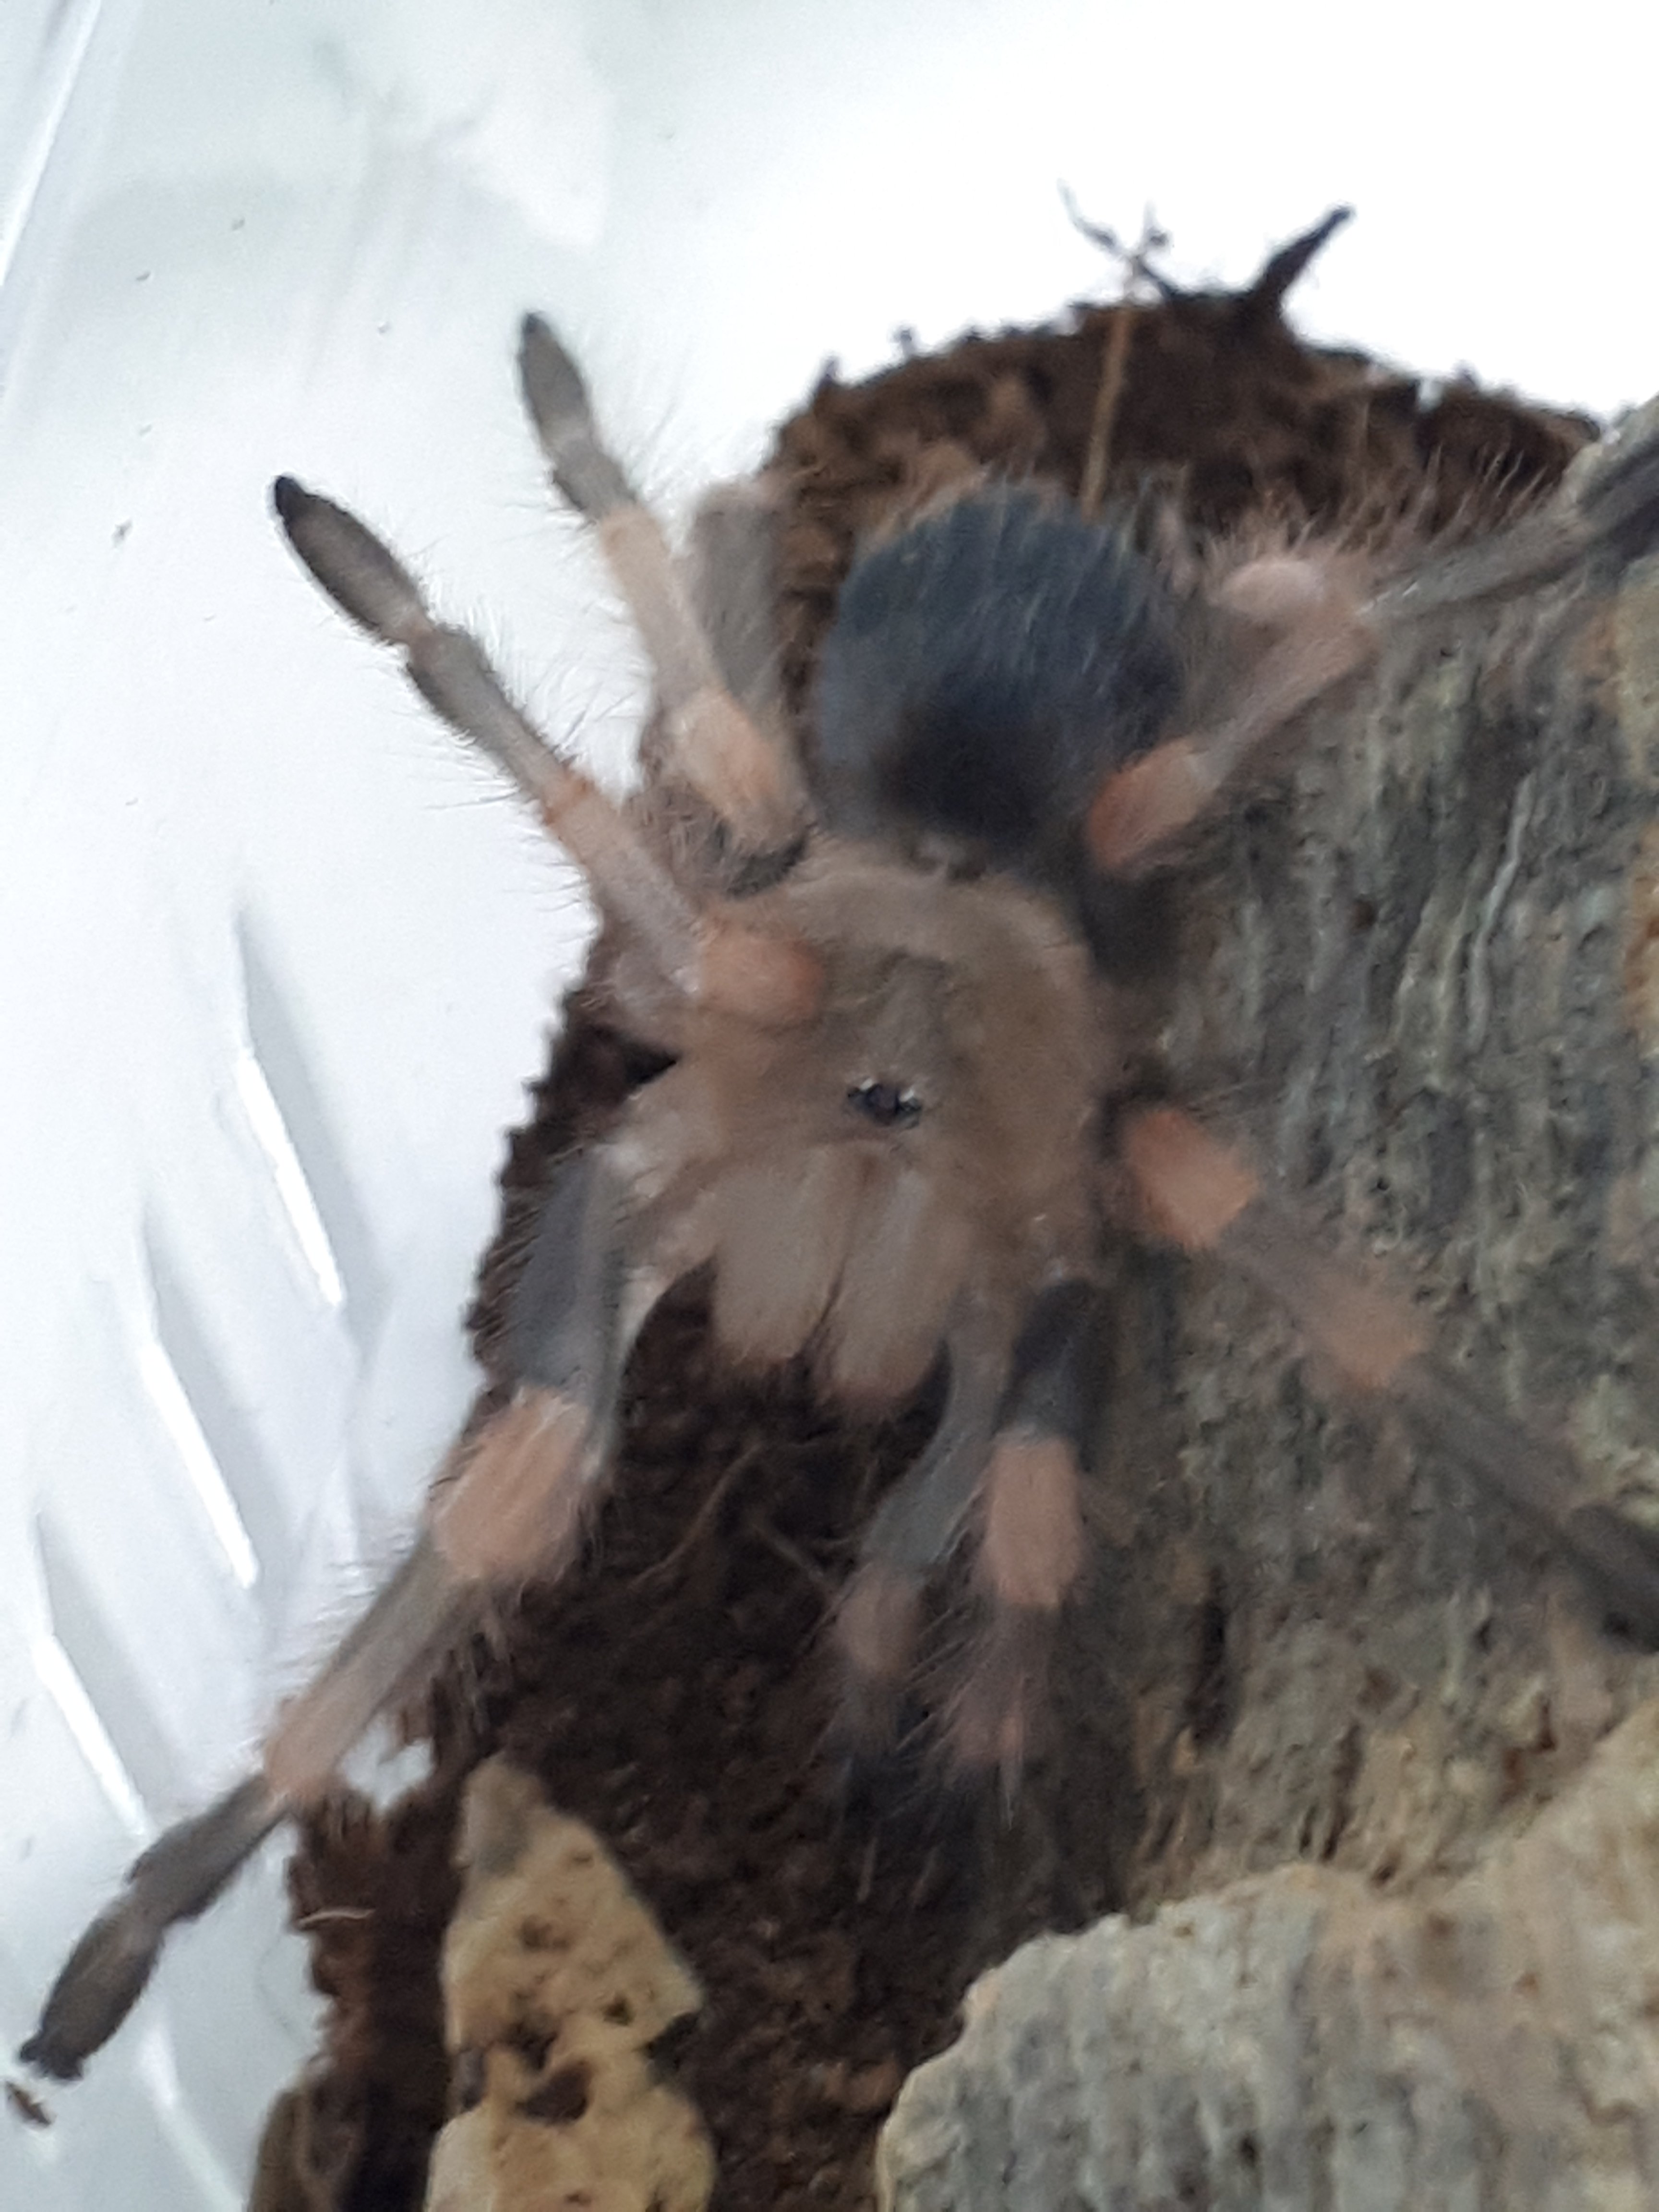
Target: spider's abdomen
point(985, 670)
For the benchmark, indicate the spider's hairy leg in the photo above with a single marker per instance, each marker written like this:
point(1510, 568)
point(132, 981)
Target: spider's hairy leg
point(1032, 1547)
point(1325, 632)
point(516, 1505)
point(1202, 1195)
point(914, 1531)
point(1330, 616)
point(415, 1620)
point(1003, 1470)
point(749, 778)
point(176, 1878)
point(733, 574)
point(507, 1508)
point(703, 953)
point(1608, 504)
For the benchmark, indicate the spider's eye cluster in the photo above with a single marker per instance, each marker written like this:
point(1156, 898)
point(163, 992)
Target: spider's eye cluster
point(888, 1105)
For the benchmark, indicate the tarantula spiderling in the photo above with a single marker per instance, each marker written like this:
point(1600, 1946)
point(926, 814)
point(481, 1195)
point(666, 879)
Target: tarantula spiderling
point(892, 1120)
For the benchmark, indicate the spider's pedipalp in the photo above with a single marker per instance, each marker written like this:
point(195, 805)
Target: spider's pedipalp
point(750, 782)
point(784, 1227)
point(906, 1258)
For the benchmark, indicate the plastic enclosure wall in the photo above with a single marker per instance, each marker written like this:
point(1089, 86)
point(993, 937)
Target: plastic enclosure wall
point(274, 959)
point(276, 964)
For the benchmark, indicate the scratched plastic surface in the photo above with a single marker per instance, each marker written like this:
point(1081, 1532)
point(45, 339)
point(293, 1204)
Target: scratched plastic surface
point(274, 959)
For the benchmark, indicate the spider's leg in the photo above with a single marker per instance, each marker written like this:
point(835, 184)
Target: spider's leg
point(1329, 620)
point(916, 1527)
point(1203, 1195)
point(731, 574)
point(1608, 504)
point(509, 1505)
point(507, 1509)
point(1140, 813)
point(701, 950)
point(513, 1509)
point(1032, 1546)
point(752, 783)
point(176, 1878)
point(415, 1618)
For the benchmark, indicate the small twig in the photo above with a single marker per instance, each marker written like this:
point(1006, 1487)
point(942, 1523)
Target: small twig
point(664, 1569)
point(1137, 273)
point(793, 1555)
point(1136, 260)
point(866, 1872)
point(1091, 491)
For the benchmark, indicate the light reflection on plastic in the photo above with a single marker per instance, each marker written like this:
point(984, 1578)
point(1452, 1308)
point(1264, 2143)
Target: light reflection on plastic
point(56, 1670)
point(169, 1397)
point(160, 2077)
point(265, 1119)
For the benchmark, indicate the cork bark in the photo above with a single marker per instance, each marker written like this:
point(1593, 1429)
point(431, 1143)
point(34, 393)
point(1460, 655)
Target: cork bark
point(1404, 1937)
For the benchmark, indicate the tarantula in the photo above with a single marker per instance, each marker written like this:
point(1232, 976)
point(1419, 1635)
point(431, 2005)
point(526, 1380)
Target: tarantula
point(893, 1122)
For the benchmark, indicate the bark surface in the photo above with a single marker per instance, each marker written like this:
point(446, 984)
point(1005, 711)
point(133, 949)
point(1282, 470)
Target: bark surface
point(1419, 975)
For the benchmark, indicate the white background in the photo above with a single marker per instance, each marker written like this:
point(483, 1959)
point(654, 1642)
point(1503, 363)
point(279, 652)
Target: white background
point(263, 934)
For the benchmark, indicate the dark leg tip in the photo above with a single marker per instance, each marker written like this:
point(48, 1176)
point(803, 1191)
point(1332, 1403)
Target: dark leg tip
point(291, 499)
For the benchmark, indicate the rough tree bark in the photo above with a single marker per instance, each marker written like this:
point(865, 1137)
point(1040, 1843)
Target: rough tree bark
point(1394, 1928)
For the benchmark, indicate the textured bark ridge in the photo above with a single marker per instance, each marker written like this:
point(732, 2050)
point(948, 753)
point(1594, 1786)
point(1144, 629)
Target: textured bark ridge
point(1305, 2039)
point(1420, 976)
point(1328, 1730)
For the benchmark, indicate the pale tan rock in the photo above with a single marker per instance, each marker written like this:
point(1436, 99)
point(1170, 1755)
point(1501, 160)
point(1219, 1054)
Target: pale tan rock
point(556, 1980)
point(1306, 2039)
